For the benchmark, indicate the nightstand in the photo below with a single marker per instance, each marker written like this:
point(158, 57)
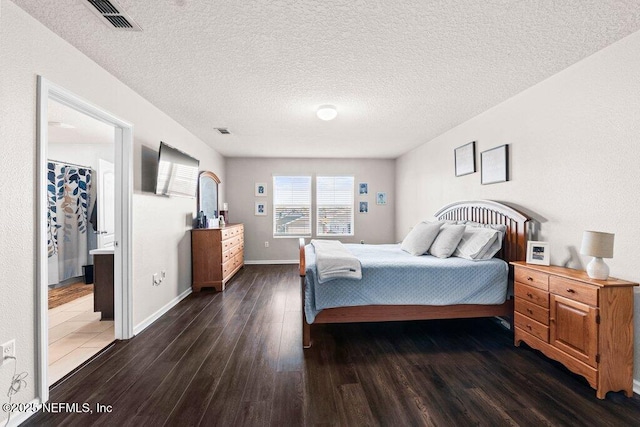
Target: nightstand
point(583, 323)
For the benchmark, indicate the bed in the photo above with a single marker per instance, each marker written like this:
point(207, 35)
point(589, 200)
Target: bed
point(485, 301)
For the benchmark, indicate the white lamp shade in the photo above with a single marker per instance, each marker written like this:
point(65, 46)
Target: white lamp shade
point(597, 244)
point(327, 112)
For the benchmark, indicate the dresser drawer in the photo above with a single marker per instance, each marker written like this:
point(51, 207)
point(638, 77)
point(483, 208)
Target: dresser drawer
point(235, 250)
point(532, 327)
point(226, 256)
point(228, 268)
point(534, 295)
point(532, 310)
point(532, 278)
point(574, 290)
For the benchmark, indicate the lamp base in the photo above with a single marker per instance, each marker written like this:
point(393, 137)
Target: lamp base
point(598, 269)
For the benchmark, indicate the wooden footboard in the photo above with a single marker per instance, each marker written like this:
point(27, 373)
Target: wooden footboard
point(484, 211)
point(306, 328)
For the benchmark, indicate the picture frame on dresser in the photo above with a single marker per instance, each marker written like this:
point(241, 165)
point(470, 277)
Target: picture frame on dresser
point(538, 253)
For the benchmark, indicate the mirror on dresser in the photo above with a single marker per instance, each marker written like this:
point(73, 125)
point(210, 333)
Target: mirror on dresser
point(208, 194)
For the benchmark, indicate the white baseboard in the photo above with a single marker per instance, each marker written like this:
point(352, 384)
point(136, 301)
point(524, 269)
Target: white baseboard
point(155, 316)
point(636, 386)
point(18, 418)
point(272, 261)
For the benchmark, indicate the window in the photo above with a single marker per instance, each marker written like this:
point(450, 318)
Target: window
point(334, 205)
point(291, 206)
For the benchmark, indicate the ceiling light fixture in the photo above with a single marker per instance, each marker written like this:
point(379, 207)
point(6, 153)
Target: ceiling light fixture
point(61, 125)
point(327, 112)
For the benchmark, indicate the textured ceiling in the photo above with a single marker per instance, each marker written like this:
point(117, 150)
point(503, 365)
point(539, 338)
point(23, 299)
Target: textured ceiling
point(399, 72)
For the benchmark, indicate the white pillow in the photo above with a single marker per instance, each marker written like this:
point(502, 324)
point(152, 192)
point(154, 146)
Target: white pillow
point(447, 240)
point(497, 245)
point(420, 238)
point(476, 242)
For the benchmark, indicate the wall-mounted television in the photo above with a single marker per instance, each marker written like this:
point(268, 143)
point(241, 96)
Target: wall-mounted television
point(177, 172)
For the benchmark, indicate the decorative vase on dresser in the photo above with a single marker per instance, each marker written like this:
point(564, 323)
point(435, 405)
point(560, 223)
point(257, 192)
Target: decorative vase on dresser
point(583, 323)
point(216, 255)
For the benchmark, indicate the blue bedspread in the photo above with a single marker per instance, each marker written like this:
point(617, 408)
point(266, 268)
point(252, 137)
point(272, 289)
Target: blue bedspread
point(391, 276)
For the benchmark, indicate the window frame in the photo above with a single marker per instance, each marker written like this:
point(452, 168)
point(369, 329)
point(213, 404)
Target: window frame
point(274, 207)
point(351, 205)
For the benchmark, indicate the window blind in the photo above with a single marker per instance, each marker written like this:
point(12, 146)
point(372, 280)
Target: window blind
point(334, 205)
point(291, 206)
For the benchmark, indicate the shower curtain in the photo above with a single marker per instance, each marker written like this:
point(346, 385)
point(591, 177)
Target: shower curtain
point(68, 198)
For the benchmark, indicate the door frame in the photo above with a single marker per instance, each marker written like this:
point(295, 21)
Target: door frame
point(123, 272)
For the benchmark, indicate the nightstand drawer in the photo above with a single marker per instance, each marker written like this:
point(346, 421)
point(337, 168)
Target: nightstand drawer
point(532, 278)
point(574, 290)
point(532, 327)
point(532, 310)
point(534, 295)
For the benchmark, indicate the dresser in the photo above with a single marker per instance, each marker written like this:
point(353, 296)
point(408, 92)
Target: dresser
point(583, 323)
point(216, 255)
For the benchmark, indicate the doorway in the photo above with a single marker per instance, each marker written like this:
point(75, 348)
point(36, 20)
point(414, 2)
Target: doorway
point(111, 141)
point(80, 232)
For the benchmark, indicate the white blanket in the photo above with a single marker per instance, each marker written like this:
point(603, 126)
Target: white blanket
point(334, 261)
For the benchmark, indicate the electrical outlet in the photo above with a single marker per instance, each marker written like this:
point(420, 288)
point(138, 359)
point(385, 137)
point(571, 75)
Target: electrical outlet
point(163, 274)
point(7, 349)
point(266, 244)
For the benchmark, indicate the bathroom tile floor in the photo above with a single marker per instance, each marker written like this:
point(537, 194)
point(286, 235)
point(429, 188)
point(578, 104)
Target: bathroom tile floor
point(75, 335)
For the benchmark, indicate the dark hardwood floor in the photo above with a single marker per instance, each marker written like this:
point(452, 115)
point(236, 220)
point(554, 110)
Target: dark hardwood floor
point(235, 358)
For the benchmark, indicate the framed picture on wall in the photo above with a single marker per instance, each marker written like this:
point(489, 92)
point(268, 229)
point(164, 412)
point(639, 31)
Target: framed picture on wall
point(363, 188)
point(465, 159)
point(495, 165)
point(538, 253)
point(381, 198)
point(364, 207)
point(261, 209)
point(261, 189)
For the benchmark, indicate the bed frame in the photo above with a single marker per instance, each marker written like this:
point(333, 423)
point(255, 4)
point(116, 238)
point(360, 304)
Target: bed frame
point(483, 211)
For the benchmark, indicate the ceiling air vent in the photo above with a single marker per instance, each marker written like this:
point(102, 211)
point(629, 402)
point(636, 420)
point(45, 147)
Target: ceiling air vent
point(223, 131)
point(112, 14)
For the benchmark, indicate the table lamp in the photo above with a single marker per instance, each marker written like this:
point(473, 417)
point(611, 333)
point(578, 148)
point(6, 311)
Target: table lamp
point(598, 245)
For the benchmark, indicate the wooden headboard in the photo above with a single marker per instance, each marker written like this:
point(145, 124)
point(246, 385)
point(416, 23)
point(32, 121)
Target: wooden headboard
point(514, 247)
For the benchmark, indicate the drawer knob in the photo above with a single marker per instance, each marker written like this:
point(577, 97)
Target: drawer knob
point(529, 311)
point(571, 291)
point(529, 294)
point(551, 319)
point(529, 327)
point(530, 279)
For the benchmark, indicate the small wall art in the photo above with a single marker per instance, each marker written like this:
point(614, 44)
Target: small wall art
point(363, 188)
point(261, 209)
point(381, 198)
point(465, 159)
point(261, 189)
point(495, 165)
point(364, 207)
point(538, 253)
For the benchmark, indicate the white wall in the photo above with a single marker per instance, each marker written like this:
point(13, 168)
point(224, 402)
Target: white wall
point(377, 226)
point(82, 154)
point(161, 226)
point(575, 146)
